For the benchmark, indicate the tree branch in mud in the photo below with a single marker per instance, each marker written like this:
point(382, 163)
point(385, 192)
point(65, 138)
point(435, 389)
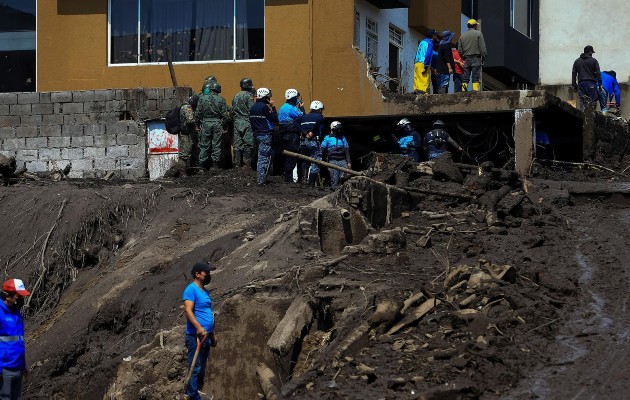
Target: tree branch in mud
point(43, 254)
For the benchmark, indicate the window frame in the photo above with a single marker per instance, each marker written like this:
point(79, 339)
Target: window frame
point(137, 64)
point(371, 35)
point(357, 29)
point(530, 12)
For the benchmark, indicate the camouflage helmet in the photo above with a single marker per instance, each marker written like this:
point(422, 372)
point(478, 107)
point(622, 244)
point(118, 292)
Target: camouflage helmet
point(247, 84)
point(206, 81)
point(214, 86)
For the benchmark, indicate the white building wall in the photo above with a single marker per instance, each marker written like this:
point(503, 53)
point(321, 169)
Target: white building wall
point(397, 17)
point(566, 26)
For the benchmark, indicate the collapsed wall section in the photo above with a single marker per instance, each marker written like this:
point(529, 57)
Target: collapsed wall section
point(96, 130)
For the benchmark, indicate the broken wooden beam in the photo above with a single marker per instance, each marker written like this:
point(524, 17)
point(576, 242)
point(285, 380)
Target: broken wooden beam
point(415, 315)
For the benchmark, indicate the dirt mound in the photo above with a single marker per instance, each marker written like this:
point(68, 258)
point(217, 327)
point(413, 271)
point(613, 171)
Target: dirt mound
point(415, 288)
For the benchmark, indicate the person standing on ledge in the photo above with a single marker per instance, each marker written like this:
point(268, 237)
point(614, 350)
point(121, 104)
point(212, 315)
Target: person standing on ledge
point(472, 48)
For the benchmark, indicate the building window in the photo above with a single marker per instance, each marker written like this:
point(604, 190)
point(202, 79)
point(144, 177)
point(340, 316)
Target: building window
point(396, 37)
point(521, 16)
point(469, 8)
point(193, 30)
point(357, 28)
point(371, 41)
point(18, 42)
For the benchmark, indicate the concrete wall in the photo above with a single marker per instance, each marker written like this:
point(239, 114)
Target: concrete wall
point(97, 130)
point(566, 26)
point(397, 17)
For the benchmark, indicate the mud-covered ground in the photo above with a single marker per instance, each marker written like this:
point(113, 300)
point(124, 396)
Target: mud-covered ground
point(487, 292)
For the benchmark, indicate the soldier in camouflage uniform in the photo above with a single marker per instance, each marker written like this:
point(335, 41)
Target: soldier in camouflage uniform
point(213, 112)
point(243, 137)
point(188, 135)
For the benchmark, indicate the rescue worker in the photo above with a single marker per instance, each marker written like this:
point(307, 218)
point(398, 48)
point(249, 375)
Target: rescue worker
point(335, 150)
point(312, 127)
point(472, 48)
point(243, 138)
point(586, 77)
point(213, 113)
point(288, 117)
point(262, 116)
point(436, 141)
point(189, 134)
point(13, 360)
point(410, 140)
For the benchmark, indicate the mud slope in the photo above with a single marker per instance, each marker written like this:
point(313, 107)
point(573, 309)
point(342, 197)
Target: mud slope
point(116, 258)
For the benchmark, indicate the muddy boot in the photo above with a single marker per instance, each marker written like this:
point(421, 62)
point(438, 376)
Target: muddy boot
point(312, 179)
point(238, 158)
point(247, 158)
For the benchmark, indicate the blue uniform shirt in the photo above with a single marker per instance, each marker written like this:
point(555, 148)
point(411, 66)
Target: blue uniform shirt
point(262, 117)
point(12, 348)
point(610, 84)
point(202, 308)
point(312, 122)
point(336, 148)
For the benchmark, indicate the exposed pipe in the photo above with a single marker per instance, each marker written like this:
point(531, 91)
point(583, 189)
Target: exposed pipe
point(345, 214)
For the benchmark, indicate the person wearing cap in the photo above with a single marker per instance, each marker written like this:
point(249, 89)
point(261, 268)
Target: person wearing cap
point(200, 330)
point(586, 77)
point(610, 89)
point(409, 141)
point(472, 48)
point(288, 118)
point(12, 347)
point(446, 63)
point(188, 138)
point(243, 138)
point(262, 117)
point(336, 150)
point(422, 63)
point(436, 141)
point(312, 127)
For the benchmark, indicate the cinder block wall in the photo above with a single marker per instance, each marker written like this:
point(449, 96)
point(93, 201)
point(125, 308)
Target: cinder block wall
point(97, 130)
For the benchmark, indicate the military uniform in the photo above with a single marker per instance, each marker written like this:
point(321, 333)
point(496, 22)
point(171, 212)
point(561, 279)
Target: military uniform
point(188, 137)
point(213, 113)
point(243, 136)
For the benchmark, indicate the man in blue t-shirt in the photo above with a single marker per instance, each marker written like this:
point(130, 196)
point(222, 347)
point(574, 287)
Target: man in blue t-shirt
point(12, 348)
point(199, 326)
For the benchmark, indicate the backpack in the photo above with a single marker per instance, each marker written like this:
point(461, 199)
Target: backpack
point(173, 123)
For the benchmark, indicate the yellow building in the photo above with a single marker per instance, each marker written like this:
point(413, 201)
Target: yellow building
point(279, 44)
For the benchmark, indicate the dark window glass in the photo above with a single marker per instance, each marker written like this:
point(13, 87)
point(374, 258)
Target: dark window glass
point(124, 31)
point(250, 29)
point(521, 13)
point(469, 8)
point(18, 24)
point(194, 30)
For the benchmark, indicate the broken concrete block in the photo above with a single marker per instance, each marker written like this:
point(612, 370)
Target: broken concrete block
point(388, 242)
point(415, 315)
point(387, 311)
point(444, 169)
point(299, 315)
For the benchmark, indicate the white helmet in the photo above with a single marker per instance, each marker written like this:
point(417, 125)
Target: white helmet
point(317, 105)
point(403, 122)
point(291, 93)
point(263, 92)
point(336, 125)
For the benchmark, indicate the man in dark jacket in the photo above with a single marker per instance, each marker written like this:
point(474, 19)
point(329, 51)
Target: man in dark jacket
point(446, 63)
point(472, 47)
point(586, 77)
point(262, 117)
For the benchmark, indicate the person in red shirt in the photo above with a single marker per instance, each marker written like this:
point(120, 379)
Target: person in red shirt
point(458, 72)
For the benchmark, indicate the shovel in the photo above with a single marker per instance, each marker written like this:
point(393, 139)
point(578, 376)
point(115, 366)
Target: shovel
point(194, 360)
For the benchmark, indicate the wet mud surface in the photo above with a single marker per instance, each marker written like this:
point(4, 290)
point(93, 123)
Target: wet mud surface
point(493, 294)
